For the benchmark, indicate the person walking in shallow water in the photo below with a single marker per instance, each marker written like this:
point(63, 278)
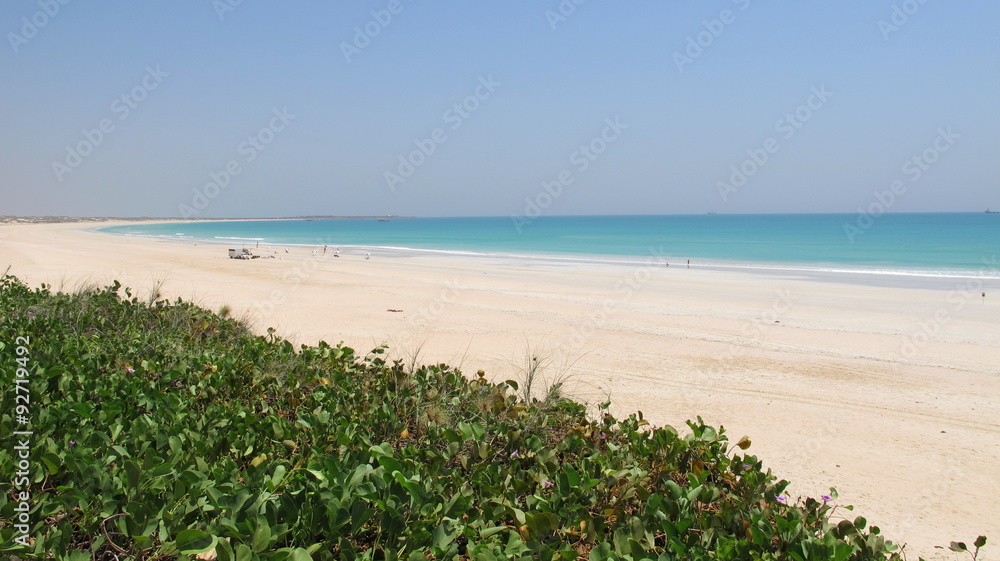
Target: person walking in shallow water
point(689, 263)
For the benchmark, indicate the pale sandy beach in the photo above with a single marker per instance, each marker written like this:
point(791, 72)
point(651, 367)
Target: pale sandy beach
point(891, 395)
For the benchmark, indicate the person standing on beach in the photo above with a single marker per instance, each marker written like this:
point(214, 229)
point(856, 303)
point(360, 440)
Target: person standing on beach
point(324, 249)
point(689, 263)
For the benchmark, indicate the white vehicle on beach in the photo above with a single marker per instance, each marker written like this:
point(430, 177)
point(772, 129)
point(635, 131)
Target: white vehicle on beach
point(241, 254)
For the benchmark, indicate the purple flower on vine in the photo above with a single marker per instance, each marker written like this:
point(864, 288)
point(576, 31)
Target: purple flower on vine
point(514, 455)
point(548, 484)
point(826, 498)
point(782, 500)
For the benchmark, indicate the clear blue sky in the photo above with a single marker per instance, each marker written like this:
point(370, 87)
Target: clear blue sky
point(556, 83)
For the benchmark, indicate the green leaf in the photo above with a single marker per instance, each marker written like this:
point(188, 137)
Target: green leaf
point(299, 554)
point(441, 537)
point(318, 475)
point(279, 475)
point(261, 537)
point(980, 541)
point(52, 462)
point(542, 523)
point(82, 409)
point(383, 449)
point(572, 475)
point(487, 532)
point(518, 515)
point(601, 552)
point(360, 513)
point(621, 541)
point(674, 488)
point(224, 551)
point(959, 546)
point(243, 553)
point(842, 551)
point(195, 541)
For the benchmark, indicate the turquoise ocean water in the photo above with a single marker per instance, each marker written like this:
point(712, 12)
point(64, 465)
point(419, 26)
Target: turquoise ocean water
point(924, 245)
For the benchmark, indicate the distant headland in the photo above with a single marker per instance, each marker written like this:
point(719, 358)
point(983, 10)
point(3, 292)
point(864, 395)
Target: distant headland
point(61, 219)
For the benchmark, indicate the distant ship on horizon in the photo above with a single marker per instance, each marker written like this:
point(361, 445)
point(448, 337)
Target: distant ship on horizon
point(988, 211)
